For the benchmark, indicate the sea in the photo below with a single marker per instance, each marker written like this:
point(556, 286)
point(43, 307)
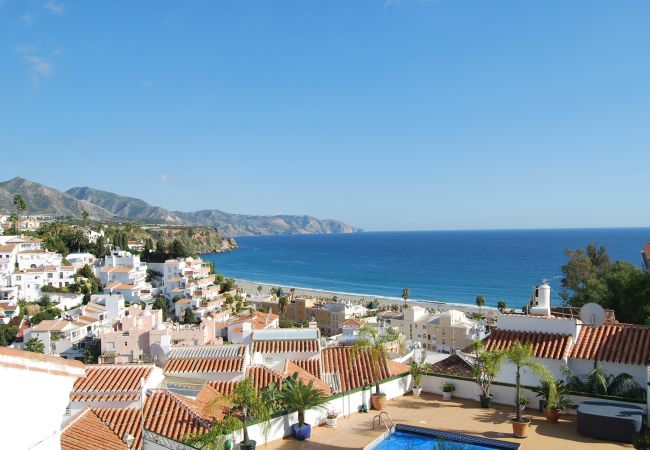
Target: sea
point(448, 266)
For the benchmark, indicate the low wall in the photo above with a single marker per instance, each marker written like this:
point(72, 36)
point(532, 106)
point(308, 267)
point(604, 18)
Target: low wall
point(505, 393)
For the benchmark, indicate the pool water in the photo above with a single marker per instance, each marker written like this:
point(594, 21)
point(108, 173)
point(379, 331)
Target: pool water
point(402, 440)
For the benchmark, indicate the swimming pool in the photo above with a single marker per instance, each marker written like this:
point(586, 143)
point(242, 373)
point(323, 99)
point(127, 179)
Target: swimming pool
point(407, 437)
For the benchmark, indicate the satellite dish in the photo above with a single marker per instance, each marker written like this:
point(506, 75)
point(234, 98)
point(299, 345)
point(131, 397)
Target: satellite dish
point(592, 315)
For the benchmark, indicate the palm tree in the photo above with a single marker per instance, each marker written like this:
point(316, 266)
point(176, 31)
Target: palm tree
point(259, 290)
point(371, 343)
point(19, 203)
point(485, 368)
point(78, 238)
point(501, 305)
point(480, 301)
point(406, 293)
point(521, 356)
point(295, 394)
point(35, 345)
point(282, 302)
point(13, 218)
point(293, 293)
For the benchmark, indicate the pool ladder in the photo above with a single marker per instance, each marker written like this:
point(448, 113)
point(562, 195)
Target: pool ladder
point(380, 420)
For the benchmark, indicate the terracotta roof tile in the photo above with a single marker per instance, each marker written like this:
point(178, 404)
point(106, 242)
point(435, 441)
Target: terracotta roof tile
point(165, 413)
point(291, 369)
point(312, 366)
point(545, 345)
point(453, 365)
point(205, 365)
point(353, 371)
point(351, 323)
point(222, 387)
point(286, 346)
point(110, 383)
point(620, 343)
point(87, 431)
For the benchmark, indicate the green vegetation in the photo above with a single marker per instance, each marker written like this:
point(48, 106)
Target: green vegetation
point(480, 302)
point(369, 341)
point(599, 382)
point(406, 294)
point(35, 345)
point(298, 396)
point(486, 367)
point(521, 356)
point(591, 276)
point(160, 303)
point(8, 334)
point(419, 368)
point(46, 314)
point(189, 317)
point(501, 306)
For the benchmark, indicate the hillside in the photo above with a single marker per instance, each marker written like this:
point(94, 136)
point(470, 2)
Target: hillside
point(41, 199)
point(107, 206)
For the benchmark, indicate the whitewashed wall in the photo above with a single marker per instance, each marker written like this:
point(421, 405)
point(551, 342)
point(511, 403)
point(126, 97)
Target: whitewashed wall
point(584, 366)
point(468, 389)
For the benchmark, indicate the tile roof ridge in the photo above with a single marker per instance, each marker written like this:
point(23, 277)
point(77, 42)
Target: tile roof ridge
point(75, 418)
point(180, 400)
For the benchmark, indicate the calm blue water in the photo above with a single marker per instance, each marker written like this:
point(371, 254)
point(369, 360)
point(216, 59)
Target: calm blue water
point(411, 441)
point(453, 266)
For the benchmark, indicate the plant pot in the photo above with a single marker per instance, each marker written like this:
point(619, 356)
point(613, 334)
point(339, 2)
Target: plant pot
point(552, 414)
point(227, 445)
point(486, 401)
point(520, 427)
point(417, 391)
point(248, 445)
point(330, 423)
point(378, 401)
point(446, 395)
point(301, 433)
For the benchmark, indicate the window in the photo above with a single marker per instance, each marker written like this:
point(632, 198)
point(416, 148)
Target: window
point(110, 346)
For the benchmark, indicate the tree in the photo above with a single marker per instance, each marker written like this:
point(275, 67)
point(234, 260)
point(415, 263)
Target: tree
point(406, 294)
point(35, 345)
point(293, 293)
point(521, 356)
point(246, 400)
point(84, 217)
point(296, 395)
point(178, 250)
point(189, 317)
point(584, 268)
point(20, 205)
point(48, 314)
point(501, 305)
point(259, 290)
point(480, 302)
point(485, 368)
point(8, 334)
point(282, 303)
point(372, 344)
point(160, 303)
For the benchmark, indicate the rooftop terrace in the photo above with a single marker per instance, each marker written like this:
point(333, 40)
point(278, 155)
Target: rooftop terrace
point(459, 416)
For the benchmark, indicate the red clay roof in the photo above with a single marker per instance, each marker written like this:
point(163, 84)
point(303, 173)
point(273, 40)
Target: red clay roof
point(351, 323)
point(354, 371)
point(204, 365)
point(307, 378)
point(620, 343)
point(545, 345)
point(120, 383)
point(313, 366)
point(165, 413)
point(453, 365)
point(86, 431)
point(286, 346)
point(262, 376)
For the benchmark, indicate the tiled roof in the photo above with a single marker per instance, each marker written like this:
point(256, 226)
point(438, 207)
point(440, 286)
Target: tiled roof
point(221, 387)
point(87, 431)
point(353, 370)
point(286, 346)
point(291, 369)
point(207, 352)
point(351, 323)
point(120, 383)
point(262, 376)
point(51, 325)
point(312, 366)
point(453, 365)
point(619, 343)
point(545, 345)
point(165, 413)
point(204, 365)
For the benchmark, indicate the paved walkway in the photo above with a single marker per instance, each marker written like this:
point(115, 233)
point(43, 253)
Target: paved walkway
point(461, 416)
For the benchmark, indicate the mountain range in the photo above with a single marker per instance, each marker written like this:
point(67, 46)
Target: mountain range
point(107, 206)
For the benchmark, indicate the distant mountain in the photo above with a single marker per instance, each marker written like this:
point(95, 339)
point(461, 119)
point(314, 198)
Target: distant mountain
point(106, 206)
point(46, 200)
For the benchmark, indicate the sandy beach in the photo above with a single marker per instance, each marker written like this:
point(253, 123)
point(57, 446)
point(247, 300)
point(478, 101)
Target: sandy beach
point(250, 287)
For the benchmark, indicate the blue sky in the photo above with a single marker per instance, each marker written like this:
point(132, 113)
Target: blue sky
point(393, 115)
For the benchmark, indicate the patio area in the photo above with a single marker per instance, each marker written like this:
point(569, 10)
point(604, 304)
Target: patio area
point(460, 416)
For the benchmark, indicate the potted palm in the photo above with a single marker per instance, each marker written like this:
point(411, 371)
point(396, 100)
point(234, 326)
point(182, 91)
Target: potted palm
point(521, 356)
point(296, 395)
point(523, 402)
point(554, 400)
point(447, 390)
point(371, 344)
point(248, 404)
point(485, 368)
point(418, 368)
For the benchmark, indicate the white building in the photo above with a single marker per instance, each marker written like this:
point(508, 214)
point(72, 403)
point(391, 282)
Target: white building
point(48, 381)
point(65, 337)
point(37, 259)
point(30, 281)
point(114, 304)
point(65, 301)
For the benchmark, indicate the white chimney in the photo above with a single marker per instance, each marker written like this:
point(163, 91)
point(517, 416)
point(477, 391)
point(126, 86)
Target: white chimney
point(542, 301)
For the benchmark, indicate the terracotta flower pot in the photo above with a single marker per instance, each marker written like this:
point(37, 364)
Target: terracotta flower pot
point(378, 401)
point(417, 391)
point(520, 427)
point(552, 414)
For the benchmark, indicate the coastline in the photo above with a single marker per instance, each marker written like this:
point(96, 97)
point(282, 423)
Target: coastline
point(250, 287)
